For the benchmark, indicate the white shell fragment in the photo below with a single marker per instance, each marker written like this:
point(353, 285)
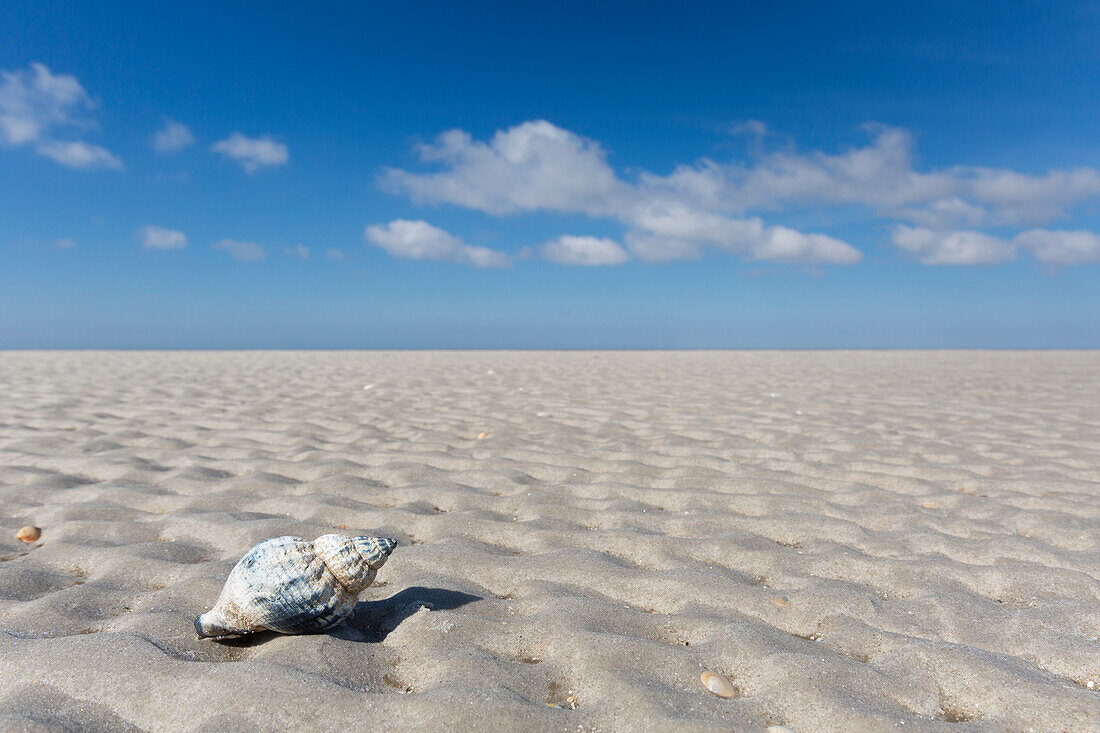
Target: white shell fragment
point(717, 684)
point(294, 586)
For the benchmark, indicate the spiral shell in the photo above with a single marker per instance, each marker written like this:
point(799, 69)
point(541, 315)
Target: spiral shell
point(294, 586)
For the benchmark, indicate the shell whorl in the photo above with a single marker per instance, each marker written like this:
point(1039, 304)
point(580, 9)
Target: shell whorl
point(354, 561)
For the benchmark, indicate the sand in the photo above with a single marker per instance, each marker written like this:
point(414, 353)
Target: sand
point(855, 541)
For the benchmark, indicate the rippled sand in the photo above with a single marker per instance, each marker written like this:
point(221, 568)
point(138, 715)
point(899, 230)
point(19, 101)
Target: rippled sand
point(857, 541)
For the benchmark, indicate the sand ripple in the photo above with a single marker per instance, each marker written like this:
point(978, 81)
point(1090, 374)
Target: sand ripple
point(857, 541)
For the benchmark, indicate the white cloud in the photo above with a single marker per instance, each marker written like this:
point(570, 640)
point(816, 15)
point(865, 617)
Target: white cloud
point(529, 167)
point(945, 213)
point(537, 166)
point(1016, 198)
point(64, 243)
point(1050, 247)
point(36, 105)
point(300, 251)
point(253, 153)
point(657, 248)
point(78, 154)
point(882, 177)
point(879, 175)
point(676, 231)
point(419, 240)
point(241, 251)
point(953, 247)
point(780, 244)
point(588, 251)
point(1061, 247)
point(334, 254)
point(755, 128)
point(172, 137)
point(154, 237)
point(33, 100)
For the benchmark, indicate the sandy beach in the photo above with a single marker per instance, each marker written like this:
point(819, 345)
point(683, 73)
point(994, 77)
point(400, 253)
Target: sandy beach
point(857, 541)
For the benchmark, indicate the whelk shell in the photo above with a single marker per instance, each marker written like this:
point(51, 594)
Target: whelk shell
point(294, 586)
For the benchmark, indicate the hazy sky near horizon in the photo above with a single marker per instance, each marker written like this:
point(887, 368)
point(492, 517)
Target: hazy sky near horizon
point(565, 175)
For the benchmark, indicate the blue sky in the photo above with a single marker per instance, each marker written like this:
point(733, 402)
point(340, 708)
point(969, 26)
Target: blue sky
point(492, 175)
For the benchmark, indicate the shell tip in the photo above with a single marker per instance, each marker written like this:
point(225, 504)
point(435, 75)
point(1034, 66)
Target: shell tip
point(206, 630)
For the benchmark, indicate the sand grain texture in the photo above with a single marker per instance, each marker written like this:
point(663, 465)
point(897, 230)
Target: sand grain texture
point(856, 541)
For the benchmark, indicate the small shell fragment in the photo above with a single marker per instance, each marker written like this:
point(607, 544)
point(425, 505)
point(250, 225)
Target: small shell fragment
point(781, 602)
point(718, 685)
point(29, 534)
point(481, 435)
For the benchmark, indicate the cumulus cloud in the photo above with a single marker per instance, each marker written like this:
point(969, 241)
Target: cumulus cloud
point(953, 248)
point(34, 100)
point(708, 204)
point(334, 254)
point(154, 237)
point(1061, 247)
point(79, 154)
point(419, 240)
point(253, 153)
point(537, 166)
point(587, 251)
point(881, 176)
point(172, 137)
point(1050, 247)
point(674, 231)
point(300, 251)
point(529, 167)
point(1016, 198)
point(38, 107)
point(241, 251)
point(878, 175)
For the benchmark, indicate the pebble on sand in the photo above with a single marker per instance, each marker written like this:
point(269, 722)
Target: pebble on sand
point(481, 435)
point(29, 534)
point(717, 684)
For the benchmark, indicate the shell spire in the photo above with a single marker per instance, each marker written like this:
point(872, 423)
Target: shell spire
point(293, 586)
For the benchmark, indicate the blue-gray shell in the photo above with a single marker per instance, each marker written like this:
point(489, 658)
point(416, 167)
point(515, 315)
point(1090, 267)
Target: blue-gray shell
point(294, 586)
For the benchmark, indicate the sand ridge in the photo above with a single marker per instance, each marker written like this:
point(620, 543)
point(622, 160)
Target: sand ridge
point(857, 540)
